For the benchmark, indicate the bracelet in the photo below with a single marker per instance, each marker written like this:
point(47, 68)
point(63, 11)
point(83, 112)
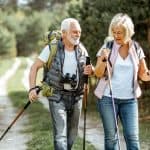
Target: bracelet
point(32, 89)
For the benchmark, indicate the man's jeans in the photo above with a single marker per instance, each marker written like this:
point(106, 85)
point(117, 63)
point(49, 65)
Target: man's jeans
point(65, 120)
point(127, 111)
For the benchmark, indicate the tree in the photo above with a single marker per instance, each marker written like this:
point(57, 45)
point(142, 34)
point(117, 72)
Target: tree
point(9, 4)
point(38, 4)
point(95, 17)
point(7, 42)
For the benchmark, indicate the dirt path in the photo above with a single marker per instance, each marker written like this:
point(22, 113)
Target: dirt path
point(13, 140)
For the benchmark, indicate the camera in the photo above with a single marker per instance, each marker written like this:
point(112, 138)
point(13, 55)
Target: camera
point(70, 82)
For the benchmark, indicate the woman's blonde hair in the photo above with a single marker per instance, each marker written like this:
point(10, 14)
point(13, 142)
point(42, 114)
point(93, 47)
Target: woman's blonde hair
point(125, 21)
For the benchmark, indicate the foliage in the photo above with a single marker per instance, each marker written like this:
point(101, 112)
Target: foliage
point(95, 17)
point(34, 26)
point(13, 23)
point(45, 4)
point(29, 26)
point(74, 8)
point(38, 5)
point(7, 42)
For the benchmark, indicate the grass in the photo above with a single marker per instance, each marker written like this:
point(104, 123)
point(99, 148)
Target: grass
point(38, 126)
point(145, 134)
point(5, 65)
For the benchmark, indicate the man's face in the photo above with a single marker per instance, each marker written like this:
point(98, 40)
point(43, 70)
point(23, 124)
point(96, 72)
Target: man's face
point(74, 33)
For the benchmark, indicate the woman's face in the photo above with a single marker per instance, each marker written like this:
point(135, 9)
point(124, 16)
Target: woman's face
point(118, 34)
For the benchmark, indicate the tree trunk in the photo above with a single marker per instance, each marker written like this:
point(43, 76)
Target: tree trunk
point(148, 32)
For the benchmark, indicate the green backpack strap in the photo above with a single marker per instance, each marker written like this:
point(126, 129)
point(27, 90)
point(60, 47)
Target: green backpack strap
point(52, 38)
point(46, 89)
point(53, 50)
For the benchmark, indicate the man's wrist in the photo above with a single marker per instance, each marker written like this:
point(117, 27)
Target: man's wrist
point(33, 88)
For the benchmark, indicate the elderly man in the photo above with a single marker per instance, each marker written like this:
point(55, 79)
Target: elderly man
point(66, 77)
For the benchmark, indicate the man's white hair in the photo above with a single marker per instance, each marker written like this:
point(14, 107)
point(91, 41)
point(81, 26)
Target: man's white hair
point(65, 24)
point(125, 21)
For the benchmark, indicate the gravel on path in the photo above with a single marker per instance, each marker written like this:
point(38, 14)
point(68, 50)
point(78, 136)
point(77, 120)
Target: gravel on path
point(14, 139)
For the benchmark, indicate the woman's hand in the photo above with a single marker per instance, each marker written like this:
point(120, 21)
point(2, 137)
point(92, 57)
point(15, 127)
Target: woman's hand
point(143, 73)
point(146, 76)
point(104, 54)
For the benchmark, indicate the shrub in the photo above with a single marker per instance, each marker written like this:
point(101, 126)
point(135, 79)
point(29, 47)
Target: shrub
point(7, 42)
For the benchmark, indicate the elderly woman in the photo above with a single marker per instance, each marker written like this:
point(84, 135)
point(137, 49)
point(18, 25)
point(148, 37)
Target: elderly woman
point(125, 63)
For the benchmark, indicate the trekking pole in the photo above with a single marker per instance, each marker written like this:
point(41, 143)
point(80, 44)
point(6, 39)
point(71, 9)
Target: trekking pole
point(85, 102)
point(38, 89)
point(113, 103)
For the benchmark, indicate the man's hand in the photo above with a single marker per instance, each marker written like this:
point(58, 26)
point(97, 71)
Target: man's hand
point(33, 96)
point(88, 70)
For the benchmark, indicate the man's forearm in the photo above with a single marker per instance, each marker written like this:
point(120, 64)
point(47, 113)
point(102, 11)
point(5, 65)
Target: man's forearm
point(32, 77)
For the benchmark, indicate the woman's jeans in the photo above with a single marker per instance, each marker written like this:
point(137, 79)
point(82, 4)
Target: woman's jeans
point(65, 116)
point(127, 111)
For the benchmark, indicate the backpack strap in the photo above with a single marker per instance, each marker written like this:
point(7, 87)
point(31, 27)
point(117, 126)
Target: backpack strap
point(53, 50)
point(137, 49)
point(109, 45)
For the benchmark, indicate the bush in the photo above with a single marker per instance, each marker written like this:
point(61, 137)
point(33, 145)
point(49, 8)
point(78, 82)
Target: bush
point(35, 26)
point(7, 42)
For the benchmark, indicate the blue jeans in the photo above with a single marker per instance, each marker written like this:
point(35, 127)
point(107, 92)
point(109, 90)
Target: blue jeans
point(127, 111)
point(65, 119)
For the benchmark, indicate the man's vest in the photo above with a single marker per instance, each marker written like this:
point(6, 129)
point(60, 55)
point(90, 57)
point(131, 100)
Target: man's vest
point(54, 74)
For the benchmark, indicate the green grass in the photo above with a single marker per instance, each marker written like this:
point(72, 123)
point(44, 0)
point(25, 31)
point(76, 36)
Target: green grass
point(5, 64)
point(39, 125)
point(145, 134)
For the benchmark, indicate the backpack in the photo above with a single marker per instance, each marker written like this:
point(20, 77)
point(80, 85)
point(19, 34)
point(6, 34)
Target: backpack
point(51, 39)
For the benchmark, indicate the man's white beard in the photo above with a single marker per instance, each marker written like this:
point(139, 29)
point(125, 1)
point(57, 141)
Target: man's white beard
point(74, 41)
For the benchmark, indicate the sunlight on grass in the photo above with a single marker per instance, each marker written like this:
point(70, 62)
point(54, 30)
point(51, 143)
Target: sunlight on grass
point(5, 64)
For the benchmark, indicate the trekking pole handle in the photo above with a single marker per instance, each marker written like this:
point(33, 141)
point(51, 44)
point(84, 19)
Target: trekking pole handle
point(87, 63)
point(38, 89)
